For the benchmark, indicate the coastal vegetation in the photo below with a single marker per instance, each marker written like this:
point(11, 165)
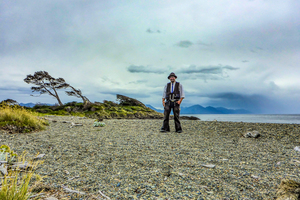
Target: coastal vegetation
point(97, 110)
point(15, 118)
point(126, 108)
point(46, 84)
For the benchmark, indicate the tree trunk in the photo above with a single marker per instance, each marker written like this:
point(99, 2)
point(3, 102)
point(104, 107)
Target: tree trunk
point(57, 97)
point(85, 100)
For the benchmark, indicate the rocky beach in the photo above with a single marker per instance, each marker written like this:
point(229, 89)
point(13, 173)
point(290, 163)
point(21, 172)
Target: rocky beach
point(131, 159)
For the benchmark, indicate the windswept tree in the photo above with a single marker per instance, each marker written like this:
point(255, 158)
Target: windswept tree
point(46, 84)
point(78, 94)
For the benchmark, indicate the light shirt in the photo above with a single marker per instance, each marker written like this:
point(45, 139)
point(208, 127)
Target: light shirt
point(182, 95)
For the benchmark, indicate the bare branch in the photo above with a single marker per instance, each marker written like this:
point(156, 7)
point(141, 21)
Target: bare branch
point(77, 93)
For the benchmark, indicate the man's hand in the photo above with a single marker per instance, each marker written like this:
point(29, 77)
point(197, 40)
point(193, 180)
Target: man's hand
point(179, 102)
point(163, 102)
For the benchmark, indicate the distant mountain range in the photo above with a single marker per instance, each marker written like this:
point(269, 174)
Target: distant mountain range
point(197, 109)
point(30, 105)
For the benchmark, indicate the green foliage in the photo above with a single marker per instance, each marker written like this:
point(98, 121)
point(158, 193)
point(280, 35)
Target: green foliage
point(136, 108)
point(78, 114)
point(128, 108)
point(73, 103)
point(44, 110)
point(59, 112)
point(110, 103)
point(79, 105)
point(113, 109)
point(105, 110)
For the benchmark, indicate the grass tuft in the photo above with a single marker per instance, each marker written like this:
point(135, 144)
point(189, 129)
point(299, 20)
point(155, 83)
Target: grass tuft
point(15, 185)
point(17, 119)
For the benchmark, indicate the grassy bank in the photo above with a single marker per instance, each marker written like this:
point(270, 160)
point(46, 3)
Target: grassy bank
point(17, 119)
point(97, 110)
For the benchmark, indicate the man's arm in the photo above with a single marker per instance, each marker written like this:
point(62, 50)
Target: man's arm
point(181, 94)
point(164, 95)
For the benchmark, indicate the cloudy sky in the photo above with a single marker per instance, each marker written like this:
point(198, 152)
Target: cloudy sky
point(231, 53)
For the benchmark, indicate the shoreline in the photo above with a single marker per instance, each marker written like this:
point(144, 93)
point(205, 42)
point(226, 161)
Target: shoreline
point(131, 159)
point(250, 118)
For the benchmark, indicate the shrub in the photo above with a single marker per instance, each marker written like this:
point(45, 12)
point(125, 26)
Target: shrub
point(97, 124)
point(73, 103)
point(18, 119)
point(79, 105)
point(59, 112)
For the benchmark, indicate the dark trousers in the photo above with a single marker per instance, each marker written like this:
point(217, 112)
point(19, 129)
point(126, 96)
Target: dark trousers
point(175, 106)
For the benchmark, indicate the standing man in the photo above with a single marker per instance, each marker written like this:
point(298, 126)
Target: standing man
point(172, 98)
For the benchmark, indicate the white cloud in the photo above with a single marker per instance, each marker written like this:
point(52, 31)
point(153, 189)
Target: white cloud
point(97, 45)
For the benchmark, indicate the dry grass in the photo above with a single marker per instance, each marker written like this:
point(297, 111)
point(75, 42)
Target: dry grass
point(17, 119)
point(15, 185)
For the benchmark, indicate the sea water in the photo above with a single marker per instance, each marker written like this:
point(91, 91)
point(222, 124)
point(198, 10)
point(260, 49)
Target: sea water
point(254, 118)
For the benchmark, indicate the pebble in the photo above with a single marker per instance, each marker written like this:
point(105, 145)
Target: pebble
point(128, 159)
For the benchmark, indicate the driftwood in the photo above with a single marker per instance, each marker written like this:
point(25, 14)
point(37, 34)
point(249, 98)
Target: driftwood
point(71, 191)
point(209, 166)
point(21, 165)
point(252, 134)
point(288, 190)
point(76, 124)
point(39, 156)
point(255, 177)
point(103, 195)
point(3, 169)
point(36, 195)
point(73, 178)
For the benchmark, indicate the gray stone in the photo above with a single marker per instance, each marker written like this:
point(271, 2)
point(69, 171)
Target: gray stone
point(3, 169)
point(51, 198)
point(252, 134)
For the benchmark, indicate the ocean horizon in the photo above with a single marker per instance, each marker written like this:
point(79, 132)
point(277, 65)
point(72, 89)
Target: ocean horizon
point(252, 118)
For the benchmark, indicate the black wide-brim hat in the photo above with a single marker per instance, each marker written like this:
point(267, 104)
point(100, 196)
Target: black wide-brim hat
point(172, 74)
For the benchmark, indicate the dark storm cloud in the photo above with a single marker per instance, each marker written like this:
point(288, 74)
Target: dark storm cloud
point(144, 69)
point(255, 103)
point(128, 94)
point(207, 70)
point(184, 44)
